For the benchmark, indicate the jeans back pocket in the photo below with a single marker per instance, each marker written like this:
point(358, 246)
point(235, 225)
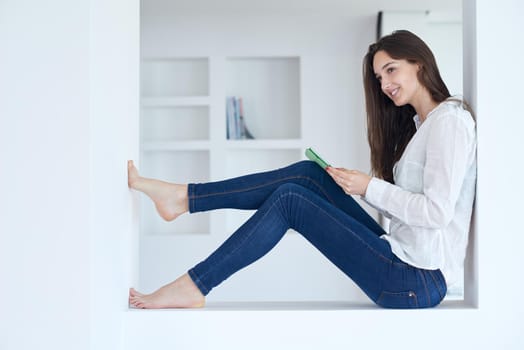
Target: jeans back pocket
point(398, 300)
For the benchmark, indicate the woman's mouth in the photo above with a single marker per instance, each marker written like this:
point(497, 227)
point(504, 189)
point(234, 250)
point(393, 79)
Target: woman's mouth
point(394, 92)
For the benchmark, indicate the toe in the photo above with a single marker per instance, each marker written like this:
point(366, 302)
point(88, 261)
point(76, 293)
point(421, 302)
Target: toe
point(136, 303)
point(133, 292)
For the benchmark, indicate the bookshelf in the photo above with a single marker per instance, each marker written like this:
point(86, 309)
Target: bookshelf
point(183, 131)
point(270, 88)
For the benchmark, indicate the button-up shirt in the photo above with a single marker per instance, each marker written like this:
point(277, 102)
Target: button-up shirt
point(431, 202)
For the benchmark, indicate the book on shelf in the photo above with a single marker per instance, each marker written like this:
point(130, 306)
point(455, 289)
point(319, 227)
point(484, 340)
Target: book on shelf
point(235, 121)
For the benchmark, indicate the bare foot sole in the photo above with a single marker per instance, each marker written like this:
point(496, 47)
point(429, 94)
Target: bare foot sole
point(182, 293)
point(170, 199)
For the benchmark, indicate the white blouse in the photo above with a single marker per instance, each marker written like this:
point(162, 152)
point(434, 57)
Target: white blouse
point(431, 202)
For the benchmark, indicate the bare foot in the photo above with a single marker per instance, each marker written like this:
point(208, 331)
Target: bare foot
point(182, 293)
point(134, 293)
point(170, 199)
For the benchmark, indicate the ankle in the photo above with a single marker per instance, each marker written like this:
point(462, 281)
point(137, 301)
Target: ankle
point(184, 197)
point(190, 286)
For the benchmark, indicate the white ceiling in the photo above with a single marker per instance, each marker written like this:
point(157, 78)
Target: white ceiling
point(350, 7)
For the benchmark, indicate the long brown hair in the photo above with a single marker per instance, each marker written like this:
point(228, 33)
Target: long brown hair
point(390, 127)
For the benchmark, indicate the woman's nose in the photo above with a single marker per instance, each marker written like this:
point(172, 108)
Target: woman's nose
point(385, 84)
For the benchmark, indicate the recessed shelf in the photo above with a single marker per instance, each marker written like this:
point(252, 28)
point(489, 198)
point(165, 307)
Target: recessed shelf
point(187, 123)
point(160, 146)
point(270, 92)
point(264, 144)
point(240, 161)
point(169, 101)
point(183, 140)
point(161, 77)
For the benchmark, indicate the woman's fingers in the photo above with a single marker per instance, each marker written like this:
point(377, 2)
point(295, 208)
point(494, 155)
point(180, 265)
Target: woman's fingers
point(351, 181)
point(339, 176)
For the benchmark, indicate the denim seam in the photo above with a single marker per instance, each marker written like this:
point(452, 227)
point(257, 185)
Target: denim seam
point(409, 293)
point(198, 281)
point(193, 196)
point(442, 279)
point(423, 277)
point(436, 283)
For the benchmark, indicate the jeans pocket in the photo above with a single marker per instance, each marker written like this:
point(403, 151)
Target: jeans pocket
point(398, 300)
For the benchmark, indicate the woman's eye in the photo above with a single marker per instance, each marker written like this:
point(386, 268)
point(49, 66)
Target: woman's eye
point(390, 70)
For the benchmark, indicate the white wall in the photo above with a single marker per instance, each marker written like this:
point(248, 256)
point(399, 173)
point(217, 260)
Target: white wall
point(44, 175)
point(69, 120)
point(500, 125)
point(114, 105)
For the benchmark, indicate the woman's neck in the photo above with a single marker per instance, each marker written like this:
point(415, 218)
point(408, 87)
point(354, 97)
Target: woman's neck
point(424, 105)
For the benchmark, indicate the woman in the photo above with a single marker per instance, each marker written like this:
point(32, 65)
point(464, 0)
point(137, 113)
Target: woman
point(423, 157)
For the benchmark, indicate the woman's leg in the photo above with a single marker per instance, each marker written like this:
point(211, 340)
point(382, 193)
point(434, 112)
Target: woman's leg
point(349, 244)
point(250, 191)
point(247, 192)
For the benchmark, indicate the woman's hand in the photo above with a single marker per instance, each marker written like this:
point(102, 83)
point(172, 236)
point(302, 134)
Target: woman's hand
point(351, 181)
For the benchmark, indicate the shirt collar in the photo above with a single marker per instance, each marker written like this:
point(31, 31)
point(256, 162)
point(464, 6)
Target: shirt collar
point(417, 121)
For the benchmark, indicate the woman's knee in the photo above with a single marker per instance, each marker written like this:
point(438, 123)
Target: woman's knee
point(289, 187)
point(309, 168)
point(289, 193)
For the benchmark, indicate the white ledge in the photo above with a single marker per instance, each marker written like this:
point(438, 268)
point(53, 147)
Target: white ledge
point(303, 306)
point(294, 325)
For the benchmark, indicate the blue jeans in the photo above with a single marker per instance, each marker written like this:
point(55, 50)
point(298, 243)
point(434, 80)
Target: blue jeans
point(304, 197)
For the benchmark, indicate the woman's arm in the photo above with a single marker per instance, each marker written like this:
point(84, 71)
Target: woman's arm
point(449, 153)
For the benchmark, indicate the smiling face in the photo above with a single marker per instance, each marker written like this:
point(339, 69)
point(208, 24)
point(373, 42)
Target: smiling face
point(398, 78)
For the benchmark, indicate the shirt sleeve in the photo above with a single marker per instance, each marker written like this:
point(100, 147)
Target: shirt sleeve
point(449, 152)
point(380, 210)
